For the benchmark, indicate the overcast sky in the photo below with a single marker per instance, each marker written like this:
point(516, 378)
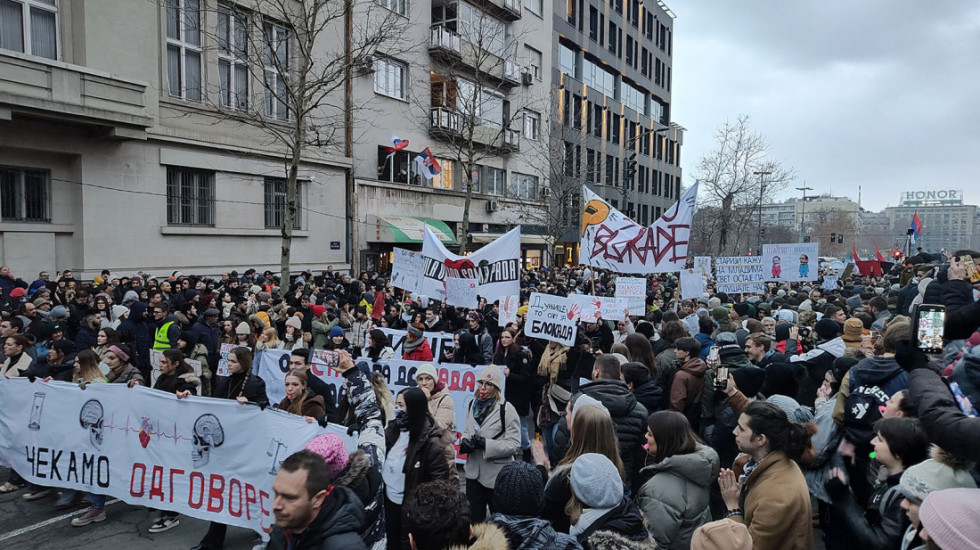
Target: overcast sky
point(879, 93)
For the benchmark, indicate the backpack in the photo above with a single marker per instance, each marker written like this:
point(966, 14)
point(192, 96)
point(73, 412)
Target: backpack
point(862, 408)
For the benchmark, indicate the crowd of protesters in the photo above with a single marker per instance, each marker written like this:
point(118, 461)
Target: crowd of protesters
point(718, 422)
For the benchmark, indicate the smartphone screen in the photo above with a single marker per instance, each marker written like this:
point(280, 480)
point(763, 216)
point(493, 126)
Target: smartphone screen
point(930, 322)
point(971, 269)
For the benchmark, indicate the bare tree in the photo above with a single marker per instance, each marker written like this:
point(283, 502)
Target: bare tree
point(826, 224)
point(729, 180)
point(473, 107)
point(304, 54)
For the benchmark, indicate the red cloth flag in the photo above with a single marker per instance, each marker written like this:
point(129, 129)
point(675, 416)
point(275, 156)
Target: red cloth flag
point(878, 253)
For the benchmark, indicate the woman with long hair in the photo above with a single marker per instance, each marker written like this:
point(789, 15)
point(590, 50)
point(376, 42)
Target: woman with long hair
point(87, 368)
point(441, 407)
point(227, 335)
point(106, 337)
point(17, 362)
point(245, 387)
point(268, 339)
point(415, 455)
point(299, 399)
point(121, 370)
point(775, 501)
point(292, 338)
point(592, 431)
point(377, 347)
point(675, 498)
point(178, 378)
point(519, 373)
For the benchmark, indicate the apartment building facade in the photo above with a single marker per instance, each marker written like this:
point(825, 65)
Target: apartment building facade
point(613, 74)
point(468, 83)
point(128, 150)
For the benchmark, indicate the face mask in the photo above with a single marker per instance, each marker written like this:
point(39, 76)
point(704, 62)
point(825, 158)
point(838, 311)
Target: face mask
point(104, 368)
point(401, 419)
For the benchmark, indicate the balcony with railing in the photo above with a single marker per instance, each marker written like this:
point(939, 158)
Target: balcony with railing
point(444, 43)
point(511, 141)
point(511, 72)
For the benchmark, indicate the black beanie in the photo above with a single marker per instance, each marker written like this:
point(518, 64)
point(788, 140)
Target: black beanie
point(519, 490)
point(780, 380)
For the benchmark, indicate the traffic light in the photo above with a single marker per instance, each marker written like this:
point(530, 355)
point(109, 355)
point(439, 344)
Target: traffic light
point(833, 237)
point(763, 233)
point(897, 254)
point(806, 239)
point(630, 170)
point(840, 238)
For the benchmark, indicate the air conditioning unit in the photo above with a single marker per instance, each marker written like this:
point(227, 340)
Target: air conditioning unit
point(526, 78)
point(493, 206)
point(545, 192)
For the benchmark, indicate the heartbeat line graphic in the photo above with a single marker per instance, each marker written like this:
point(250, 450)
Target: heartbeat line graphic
point(159, 434)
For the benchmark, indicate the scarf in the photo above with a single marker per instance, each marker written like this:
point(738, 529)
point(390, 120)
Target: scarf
point(552, 361)
point(588, 517)
point(409, 347)
point(482, 406)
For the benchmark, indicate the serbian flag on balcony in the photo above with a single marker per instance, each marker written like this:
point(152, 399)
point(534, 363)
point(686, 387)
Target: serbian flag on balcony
point(427, 164)
point(397, 145)
point(916, 227)
point(878, 253)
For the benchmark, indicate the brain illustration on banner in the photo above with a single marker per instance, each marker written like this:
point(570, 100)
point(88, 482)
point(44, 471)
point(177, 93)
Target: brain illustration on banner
point(790, 262)
point(613, 241)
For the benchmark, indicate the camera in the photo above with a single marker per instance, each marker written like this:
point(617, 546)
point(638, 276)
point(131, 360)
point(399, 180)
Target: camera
point(805, 332)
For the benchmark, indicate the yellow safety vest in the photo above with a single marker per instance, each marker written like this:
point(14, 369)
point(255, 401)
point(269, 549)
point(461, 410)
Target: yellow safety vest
point(160, 339)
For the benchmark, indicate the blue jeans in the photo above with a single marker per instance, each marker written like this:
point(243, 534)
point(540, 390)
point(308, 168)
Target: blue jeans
point(549, 438)
point(98, 501)
point(525, 437)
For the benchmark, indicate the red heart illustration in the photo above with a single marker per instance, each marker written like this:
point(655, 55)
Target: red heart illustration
point(144, 438)
point(459, 265)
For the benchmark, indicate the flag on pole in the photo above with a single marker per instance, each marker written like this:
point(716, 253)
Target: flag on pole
point(857, 260)
point(878, 253)
point(916, 227)
point(427, 165)
point(397, 145)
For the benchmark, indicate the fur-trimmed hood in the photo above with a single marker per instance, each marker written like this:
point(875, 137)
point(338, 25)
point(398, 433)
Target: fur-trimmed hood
point(941, 456)
point(485, 536)
point(610, 540)
point(356, 470)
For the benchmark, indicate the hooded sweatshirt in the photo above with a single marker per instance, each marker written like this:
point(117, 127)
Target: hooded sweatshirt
point(675, 499)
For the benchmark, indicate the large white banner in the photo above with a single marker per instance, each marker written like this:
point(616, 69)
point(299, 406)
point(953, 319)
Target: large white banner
point(438, 341)
point(552, 318)
point(406, 269)
point(740, 274)
point(790, 261)
point(613, 241)
point(634, 290)
point(693, 284)
point(212, 459)
point(497, 266)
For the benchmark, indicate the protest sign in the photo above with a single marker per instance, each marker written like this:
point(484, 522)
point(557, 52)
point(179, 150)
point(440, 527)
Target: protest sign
point(508, 310)
point(406, 269)
point(552, 318)
point(222, 369)
point(829, 282)
point(740, 274)
point(497, 266)
point(613, 241)
point(693, 284)
point(439, 342)
point(461, 292)
point(211, 459)
point(592, 308)
point(790, 261)
point(634, 289)
point(702, 264)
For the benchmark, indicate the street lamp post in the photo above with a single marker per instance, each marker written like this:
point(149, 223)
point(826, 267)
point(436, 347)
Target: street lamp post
point(803, 212)
point(762, 191)
point(629, 167)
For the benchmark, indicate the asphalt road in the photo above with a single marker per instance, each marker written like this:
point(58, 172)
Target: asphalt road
point(38, 526)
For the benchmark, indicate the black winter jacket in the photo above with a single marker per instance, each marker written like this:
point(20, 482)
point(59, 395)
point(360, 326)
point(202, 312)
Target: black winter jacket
point(878, 527)
point(336, 526)
point(629, 419)
point(962, 312)
point(254, 389)
point(530, 533)
point(520, 381)
point(942, 418)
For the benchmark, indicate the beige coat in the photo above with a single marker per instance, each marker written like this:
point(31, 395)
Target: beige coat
point(483, 465)
point(776, 505)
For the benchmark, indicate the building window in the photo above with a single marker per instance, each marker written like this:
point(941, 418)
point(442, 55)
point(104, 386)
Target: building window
point(481, 30)
point(275, 203)
point(190, 196)
point(397, 6)
point(276, 62)
point(496, 180)
point(444, 179)
point(24, 194)
point(29, 26)
point(534, 60)
point(599, 78)
point(534, 6)
point(184, 49)
point(480, 106)
point(612, 37)
point(524, 186)
point(390, 78)
point(532, 125)
point(233, 72)
point(593, 23)
point(566, 60)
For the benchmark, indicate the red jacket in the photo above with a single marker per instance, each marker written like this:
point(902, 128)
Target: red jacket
point(421, 353)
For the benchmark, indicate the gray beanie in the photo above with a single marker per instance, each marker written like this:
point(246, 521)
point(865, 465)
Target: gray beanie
point(796, 413)
point(596, 481)
point(58, 312)
point(130, 297)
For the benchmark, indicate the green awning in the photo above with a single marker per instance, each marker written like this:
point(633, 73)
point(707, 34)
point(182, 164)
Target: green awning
point(406, 229)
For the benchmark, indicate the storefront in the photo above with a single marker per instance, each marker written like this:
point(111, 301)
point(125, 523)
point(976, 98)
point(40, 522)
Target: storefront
point(386, 232)
point(534, 248)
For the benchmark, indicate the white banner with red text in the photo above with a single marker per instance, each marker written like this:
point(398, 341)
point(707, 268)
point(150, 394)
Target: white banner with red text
point(496, 266)
point(212, 459)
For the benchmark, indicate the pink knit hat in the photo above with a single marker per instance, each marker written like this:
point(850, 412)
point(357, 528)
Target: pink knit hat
point(950, 518)
point(331, 448)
